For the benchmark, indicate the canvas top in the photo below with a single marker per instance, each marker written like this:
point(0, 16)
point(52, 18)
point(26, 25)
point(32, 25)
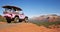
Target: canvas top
point(14, 7)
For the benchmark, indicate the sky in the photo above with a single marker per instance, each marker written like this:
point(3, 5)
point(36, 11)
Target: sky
point(34, 7)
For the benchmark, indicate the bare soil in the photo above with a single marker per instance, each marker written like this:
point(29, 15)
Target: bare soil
point(25, 27)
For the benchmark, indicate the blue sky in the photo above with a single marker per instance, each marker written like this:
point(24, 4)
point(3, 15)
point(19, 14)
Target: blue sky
point(34, 7)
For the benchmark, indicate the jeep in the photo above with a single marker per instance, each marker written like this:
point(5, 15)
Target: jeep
point(13, 13)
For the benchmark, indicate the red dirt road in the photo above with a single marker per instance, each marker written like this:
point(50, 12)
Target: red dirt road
point(25, 27)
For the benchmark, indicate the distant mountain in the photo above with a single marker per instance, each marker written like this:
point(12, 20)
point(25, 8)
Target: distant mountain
point(49, 18)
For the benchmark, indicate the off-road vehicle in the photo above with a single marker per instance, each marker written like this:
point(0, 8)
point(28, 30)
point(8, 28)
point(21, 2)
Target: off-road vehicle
point(13, 13)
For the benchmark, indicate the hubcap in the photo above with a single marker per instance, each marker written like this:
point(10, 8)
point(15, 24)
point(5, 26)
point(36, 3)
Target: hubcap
point(16, 19)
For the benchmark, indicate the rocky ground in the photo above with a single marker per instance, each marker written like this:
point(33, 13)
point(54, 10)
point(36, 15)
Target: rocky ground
point(25, 27)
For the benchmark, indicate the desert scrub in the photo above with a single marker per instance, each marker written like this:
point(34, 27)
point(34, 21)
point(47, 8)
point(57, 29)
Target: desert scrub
point(46, 24)
point(2, 19)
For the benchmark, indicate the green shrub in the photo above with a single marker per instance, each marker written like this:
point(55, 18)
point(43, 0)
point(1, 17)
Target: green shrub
point(46, 24)
point(2, 19)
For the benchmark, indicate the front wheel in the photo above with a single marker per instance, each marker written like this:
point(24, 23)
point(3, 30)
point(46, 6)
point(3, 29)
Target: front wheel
point(26, 20)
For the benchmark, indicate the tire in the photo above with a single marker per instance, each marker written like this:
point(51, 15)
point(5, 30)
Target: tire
point(8, 20)
point(26, 20)
point(22, 20)
point(16, 19)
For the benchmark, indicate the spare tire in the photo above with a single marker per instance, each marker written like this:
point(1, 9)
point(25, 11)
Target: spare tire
point(8, 19)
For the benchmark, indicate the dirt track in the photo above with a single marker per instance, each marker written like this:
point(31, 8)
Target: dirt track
point(25, 27)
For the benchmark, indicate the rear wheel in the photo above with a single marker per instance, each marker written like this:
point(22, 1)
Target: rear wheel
point(16, 19)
